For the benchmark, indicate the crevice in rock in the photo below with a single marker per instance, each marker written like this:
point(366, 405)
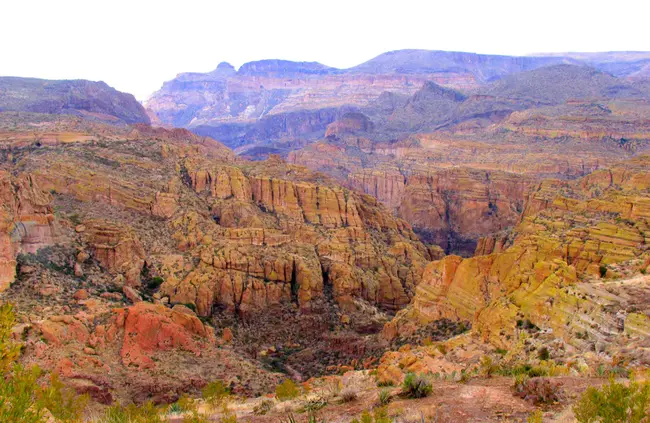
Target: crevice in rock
point(295, 286)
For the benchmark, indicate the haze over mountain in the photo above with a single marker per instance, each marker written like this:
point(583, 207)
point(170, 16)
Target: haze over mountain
point(69, 97)
point(273, 100)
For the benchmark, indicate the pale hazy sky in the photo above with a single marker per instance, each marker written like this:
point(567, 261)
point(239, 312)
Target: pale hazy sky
point(135, 45)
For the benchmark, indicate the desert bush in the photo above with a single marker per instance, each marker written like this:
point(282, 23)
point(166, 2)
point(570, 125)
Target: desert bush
point(536, 417)
point(22, 399)
point(311, 419)
point(384, 383)
point(287, 390)
point(522, 369)
point(65, 405)
point(146, 413)
point(614, 402)
point(349, 394)
point(195, 417)
point(487, 366)
point(227, 417)
point(263, 408)
point(214, 392)
point(333, 388)
point(379, 415)
point(385, 397)
point(539, 390)
point(543, 354)
point(313, 405)
point(417, 386)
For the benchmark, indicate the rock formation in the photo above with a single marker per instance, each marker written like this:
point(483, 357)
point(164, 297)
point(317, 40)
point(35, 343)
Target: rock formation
point(570, 237)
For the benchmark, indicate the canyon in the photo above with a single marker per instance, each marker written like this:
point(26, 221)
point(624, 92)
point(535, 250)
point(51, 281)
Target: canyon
point(443, 214)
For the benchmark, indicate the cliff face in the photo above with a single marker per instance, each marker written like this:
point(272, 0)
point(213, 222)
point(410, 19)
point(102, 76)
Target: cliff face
point(448, 207)
point(455, 189)
point(174, 224)
point(26, 221)
point(572, 237)
point(78, 97)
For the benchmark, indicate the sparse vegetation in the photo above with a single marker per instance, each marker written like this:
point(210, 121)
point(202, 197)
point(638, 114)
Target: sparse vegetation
point(539, 390)
point(535, 417)
point(214, 392)
point(263, 408)
point(543, 354)
point(349, 394)
point(614, 402)
point(378, 415)
point(417, 386)
point(385, 397)
point(287, 390)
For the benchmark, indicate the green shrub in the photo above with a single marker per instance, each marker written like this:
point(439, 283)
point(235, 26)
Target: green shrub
point(385, 383)
point(417, 386)
point(215, 392)
point(146, 413)
point(195, 417)
point(385, 397)
point(536, 417)
point(17, 396)
point(543, 354)
point(9, 350)
point(287, 390)
point(175, 408)
point(379, 415)
point(614, 402)
point(487, 366)
point(64, 403)
point(262, 408)
point(155, 283)
point(22, 399)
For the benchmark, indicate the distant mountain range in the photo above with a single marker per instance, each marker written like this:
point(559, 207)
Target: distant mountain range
point(273, 101)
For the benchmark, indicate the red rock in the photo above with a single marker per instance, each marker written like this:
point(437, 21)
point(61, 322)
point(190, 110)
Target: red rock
point(150, 328)
point(227, 336)
point(81, 294)
point(59, 330)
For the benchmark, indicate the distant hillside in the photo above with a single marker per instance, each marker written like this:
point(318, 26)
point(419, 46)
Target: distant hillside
point(92, 99)
point(271, 101)
point(483, 67)
point(557, 84)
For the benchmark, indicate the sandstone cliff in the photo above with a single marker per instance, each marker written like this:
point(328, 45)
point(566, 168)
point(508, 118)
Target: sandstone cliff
point(570, 240)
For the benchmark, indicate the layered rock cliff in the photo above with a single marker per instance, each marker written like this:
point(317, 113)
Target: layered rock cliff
point(173, 224)
point(572, 239)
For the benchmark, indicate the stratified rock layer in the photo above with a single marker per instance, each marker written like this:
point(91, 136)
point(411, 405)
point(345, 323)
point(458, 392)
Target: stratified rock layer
point(548, 272)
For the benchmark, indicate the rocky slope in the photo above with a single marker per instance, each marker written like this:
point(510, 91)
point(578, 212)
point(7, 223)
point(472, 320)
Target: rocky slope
point(455, 188)
point(77, 97)
point(561, 272)
point(95, 224)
